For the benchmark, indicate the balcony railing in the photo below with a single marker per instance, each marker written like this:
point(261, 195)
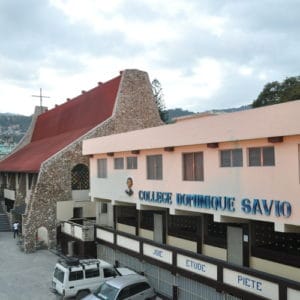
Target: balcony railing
point(82, 229)
point(216, 273)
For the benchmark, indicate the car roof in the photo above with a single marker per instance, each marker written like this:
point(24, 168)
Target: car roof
point(122, 281)
point(77, 264)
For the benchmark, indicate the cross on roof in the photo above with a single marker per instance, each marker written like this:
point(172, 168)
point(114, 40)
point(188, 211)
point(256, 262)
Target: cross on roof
point(41, 97)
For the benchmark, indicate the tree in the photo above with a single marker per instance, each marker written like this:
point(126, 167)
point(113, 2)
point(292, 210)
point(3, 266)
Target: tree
point(159, 100)
point(277, 92)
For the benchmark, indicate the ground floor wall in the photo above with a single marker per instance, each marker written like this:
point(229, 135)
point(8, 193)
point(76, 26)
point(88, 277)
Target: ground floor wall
point(260, 246)
point(172, 286)
point(230, 258)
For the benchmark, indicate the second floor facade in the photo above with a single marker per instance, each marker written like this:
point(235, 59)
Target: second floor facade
point(251, 173)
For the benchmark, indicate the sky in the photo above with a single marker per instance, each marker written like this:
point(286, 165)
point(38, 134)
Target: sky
point(207, 54)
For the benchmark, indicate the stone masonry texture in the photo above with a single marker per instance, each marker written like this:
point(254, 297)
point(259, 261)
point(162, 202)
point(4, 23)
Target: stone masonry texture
point(134, 109)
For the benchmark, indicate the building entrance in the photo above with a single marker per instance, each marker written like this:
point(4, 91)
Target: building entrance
point(235, 245)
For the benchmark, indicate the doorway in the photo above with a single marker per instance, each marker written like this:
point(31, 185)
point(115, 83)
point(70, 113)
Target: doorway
point(235, 252)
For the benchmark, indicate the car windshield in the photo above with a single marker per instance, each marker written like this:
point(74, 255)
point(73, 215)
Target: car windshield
point(59, 275)
point(106, 292)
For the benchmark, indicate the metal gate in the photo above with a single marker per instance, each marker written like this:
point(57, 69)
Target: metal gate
point(106, 253)
point(192, 290)
point(161, 279)
point(126, 260)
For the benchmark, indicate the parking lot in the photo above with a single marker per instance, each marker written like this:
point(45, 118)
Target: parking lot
point(24, 276)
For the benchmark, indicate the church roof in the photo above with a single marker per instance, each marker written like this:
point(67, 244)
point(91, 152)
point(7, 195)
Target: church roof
point(57, 128)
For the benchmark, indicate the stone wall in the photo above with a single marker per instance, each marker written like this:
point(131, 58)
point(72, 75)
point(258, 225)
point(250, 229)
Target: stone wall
point(20, 193)
point(135, 108)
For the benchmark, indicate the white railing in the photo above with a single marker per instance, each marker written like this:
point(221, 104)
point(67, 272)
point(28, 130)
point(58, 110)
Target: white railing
point(82, 232)
point(10, 194)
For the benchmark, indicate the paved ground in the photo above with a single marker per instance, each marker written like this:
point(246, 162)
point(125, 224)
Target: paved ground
point(24, 276)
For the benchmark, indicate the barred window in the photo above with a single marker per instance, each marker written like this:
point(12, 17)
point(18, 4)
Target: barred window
point(281, 247)
point(183, 226)
point(126, 215)
point(132, 162)
point(80, 177)
point(154, 167)
point(193, 166)
point(102, 167)
point(147, 220)
point(261, 156)
point(119, 163)
point(231, 158)
point(215, 234)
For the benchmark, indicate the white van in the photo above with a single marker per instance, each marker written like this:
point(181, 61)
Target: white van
point(74, 277)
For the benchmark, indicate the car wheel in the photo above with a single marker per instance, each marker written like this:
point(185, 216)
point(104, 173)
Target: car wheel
point(82, 294)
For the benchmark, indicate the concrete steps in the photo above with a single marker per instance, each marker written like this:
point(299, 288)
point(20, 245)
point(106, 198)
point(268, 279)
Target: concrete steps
point(4, 222)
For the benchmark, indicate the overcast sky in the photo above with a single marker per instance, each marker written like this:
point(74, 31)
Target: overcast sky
point(207, 54)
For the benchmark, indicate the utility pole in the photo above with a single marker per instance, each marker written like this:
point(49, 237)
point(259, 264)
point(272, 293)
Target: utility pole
point(41, 97)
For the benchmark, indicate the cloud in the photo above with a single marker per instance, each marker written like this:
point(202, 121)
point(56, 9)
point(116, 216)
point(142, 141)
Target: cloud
point(206, 54)
point(43, 33)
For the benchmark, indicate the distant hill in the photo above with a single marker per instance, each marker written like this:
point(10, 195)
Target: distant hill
point(179, 112)
point(12, 127)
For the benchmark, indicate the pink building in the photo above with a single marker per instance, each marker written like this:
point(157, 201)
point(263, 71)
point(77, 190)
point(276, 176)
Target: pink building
point(210, 201)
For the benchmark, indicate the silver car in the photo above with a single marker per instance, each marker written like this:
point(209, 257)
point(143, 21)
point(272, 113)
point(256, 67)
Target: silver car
point(133, 287)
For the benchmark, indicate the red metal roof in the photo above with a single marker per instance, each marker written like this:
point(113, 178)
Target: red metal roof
point(59, 127)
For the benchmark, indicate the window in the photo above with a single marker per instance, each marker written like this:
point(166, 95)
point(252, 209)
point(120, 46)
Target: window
point(109, 272)
point(104, 208)
point(80, 177)
point(183, 226)
point(193, 166)
point(215, 234)
point(126, 215)
point(261, 156)
point(132, 162)
point(140, 287)
point(281, 247)
point(231, 158)
point(102, 168)
point(59, 275)
point(133, 289)
point(119, 163)
point(147, 220)
point(75, 275)
point(154, 167)
point(90, 273)
point(125, 293)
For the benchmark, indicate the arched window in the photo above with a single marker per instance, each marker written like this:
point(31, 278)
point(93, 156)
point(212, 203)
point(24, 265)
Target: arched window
point(80, 177)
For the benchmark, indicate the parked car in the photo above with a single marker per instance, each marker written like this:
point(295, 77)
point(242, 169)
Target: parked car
point(133, 287)
point(78, 278)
